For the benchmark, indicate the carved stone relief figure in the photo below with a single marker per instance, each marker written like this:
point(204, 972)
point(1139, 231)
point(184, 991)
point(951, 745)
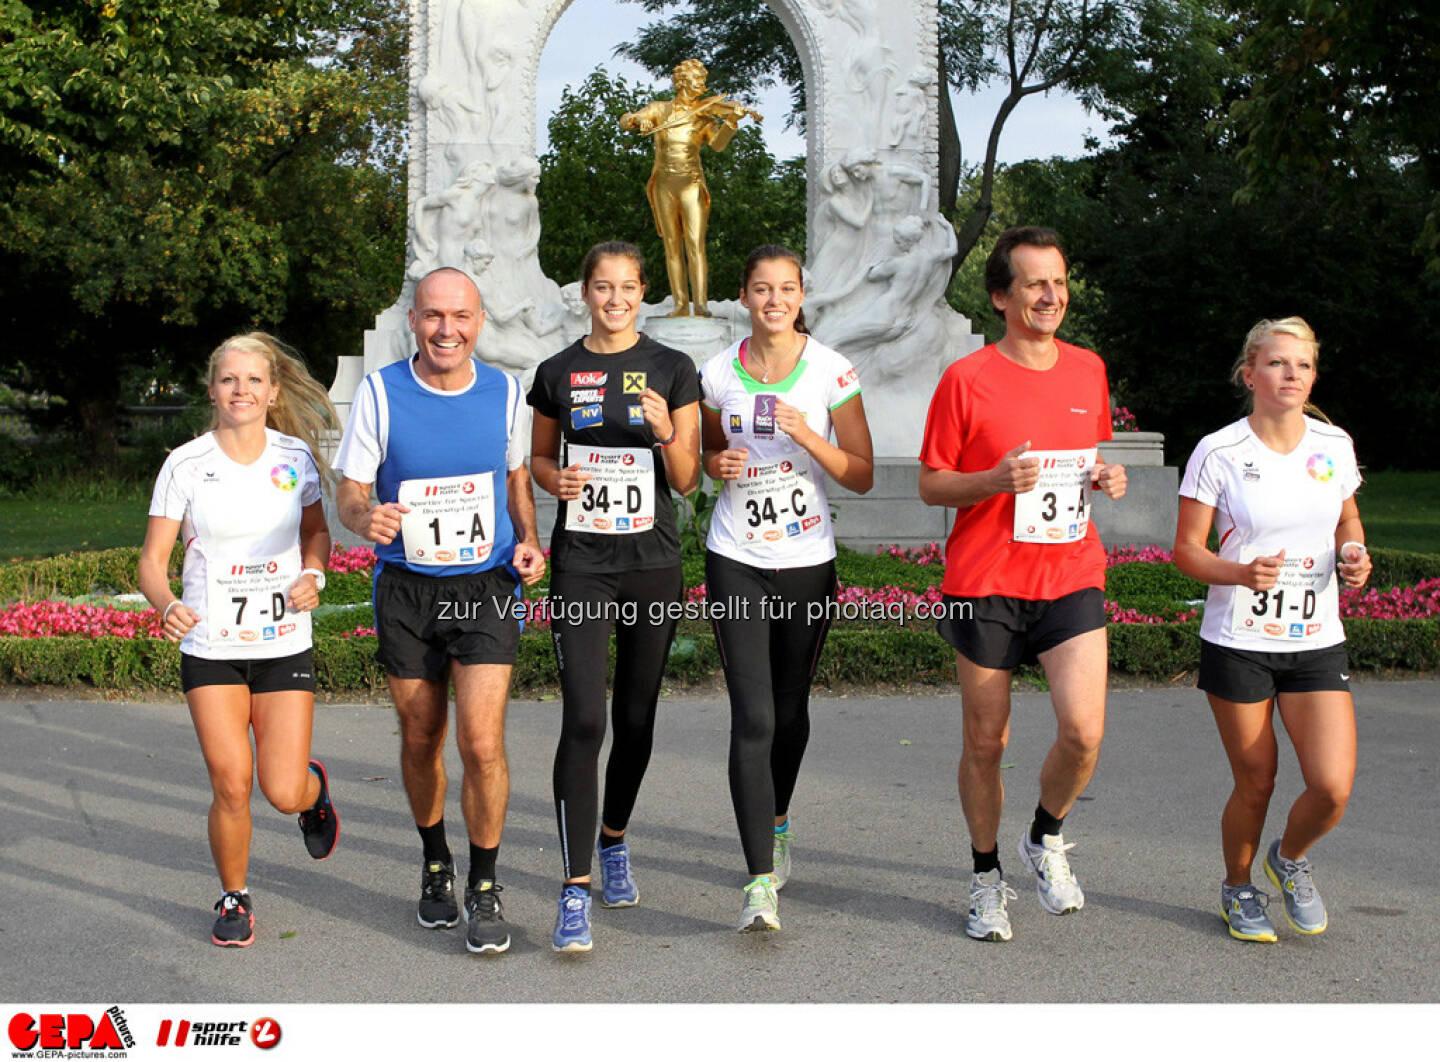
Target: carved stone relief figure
point(841, 221)
point(445, 223)
point(905, 122)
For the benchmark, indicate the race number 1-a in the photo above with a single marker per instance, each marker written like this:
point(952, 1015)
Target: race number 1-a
point(619, 496)
point(1057, 509)
point(246, 602)
point(1294, 610)
point(451, 519)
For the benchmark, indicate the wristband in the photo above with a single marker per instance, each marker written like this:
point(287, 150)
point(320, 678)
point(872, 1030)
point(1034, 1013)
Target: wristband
point(318, 574)
point(166, 614)
point(673, 432)
point(1358, 545)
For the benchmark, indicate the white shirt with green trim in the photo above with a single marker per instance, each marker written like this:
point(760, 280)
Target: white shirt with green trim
point(777, 514)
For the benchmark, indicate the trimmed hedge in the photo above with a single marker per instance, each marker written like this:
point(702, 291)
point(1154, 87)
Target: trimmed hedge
point(894, 656)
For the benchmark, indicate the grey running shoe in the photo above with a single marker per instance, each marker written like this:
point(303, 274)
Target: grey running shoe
point(782, 855)
point(1303, 907)
point(1056, 886)
point(437, 908)
point(762, 910)
point(988, 919)
point(235, 928)
point(1243, 908)
point(487, 925)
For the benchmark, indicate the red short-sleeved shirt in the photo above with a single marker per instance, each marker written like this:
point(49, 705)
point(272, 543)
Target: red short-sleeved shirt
point(984, 407)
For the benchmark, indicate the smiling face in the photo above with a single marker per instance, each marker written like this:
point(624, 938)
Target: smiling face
point(773, 293)
point(614, 293)
point(1282, 373)
point(241, 388)
point(446, 320)
point(1034, 304)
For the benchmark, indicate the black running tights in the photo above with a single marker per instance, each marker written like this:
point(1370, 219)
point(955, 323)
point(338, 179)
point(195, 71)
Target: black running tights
point(585, 608)
point(769, 653)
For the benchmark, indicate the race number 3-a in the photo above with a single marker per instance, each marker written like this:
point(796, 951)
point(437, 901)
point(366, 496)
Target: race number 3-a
point(619, 496)
point(246, 605)
point(775, 500)
point(1294, 610)
point(1057, 509)
point(451, 520)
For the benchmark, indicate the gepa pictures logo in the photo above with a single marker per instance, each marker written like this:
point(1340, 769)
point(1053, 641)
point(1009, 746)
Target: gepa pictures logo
point(72, 1032)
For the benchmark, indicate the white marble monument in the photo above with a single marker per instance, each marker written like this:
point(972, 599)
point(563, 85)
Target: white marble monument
point(878, 250)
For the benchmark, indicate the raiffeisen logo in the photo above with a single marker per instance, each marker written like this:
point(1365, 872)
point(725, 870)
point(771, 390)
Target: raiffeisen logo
point(49, 1035)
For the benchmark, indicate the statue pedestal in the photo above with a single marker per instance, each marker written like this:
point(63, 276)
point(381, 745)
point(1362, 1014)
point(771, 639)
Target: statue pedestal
point(700, 337)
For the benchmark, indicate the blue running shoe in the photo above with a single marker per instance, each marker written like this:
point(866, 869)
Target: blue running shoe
point(617, 883)
point(1243, 908)
point(572, 921)
point(1303, 907)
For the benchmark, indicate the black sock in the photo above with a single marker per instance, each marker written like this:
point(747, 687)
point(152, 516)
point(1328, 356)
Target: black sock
point(607, 841)
point(986, 860)
point(482, 864)
point(1044, 823)
point(432, 839)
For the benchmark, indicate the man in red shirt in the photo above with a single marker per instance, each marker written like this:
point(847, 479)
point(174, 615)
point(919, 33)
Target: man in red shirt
point(1011, 445)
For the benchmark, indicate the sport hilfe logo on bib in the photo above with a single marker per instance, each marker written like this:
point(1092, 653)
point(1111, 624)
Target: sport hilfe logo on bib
point(1056, 510)
point(775, 501)
point(451, 519)
point(619, 496)
point(246, 604)
point(1295, 609)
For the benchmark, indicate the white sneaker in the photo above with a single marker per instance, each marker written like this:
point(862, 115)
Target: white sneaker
point(988, 919)
point(762, 908)
point(1056, 886)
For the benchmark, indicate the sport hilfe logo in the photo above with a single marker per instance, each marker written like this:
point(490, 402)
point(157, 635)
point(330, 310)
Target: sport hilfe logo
point(264, 1033)
point(49, 1032)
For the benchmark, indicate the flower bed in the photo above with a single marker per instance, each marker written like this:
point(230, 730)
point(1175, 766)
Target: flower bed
point(883, 632)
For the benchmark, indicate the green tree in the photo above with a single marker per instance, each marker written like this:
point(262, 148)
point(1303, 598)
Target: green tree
point(592, 188)
point(175, 171)
point(1348, 87)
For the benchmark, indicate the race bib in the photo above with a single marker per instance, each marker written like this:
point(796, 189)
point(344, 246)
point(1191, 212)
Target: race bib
point(245, 603)
point(1296, 610)
point(775, 500)
point(619, 496)
point(1057, 509)
point(451, 520)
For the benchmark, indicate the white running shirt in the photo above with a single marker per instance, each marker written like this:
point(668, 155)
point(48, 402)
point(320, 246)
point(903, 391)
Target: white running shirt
point(1265, 502)
point(777, 514)
point(230, 515)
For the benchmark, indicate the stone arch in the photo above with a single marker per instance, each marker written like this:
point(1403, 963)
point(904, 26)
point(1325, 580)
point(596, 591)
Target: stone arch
point(872, 159)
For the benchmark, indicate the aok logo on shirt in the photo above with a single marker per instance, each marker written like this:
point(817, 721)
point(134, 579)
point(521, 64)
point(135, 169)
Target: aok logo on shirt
point(588, 379)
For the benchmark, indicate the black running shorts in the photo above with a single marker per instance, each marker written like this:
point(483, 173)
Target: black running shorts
point(275, 674)
point(1004, 632)
point(1248, 676)
point(422, 622)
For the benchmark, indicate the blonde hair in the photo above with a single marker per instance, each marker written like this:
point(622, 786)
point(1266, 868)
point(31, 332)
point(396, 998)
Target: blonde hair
point(302, 406)
point(1295, 328)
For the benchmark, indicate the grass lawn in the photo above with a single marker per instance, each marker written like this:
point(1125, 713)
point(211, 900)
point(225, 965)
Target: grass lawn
point(1401, 510)
point(42, 527)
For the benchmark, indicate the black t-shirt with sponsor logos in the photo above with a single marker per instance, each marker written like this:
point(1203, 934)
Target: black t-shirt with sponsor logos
point(595, 398)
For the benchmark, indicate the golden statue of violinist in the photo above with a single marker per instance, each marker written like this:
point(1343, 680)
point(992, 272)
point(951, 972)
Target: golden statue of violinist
point(676, 189)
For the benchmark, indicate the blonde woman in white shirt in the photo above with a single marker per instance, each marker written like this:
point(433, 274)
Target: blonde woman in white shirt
point(246, 497)
point(1279, 488)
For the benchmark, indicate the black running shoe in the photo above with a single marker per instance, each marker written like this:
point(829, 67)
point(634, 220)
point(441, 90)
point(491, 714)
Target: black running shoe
point(235, 928)
point(487, 925)
point(319, 824)
point(437, 908)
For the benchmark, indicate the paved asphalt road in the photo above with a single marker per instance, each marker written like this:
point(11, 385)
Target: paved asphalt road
point(106, 882)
